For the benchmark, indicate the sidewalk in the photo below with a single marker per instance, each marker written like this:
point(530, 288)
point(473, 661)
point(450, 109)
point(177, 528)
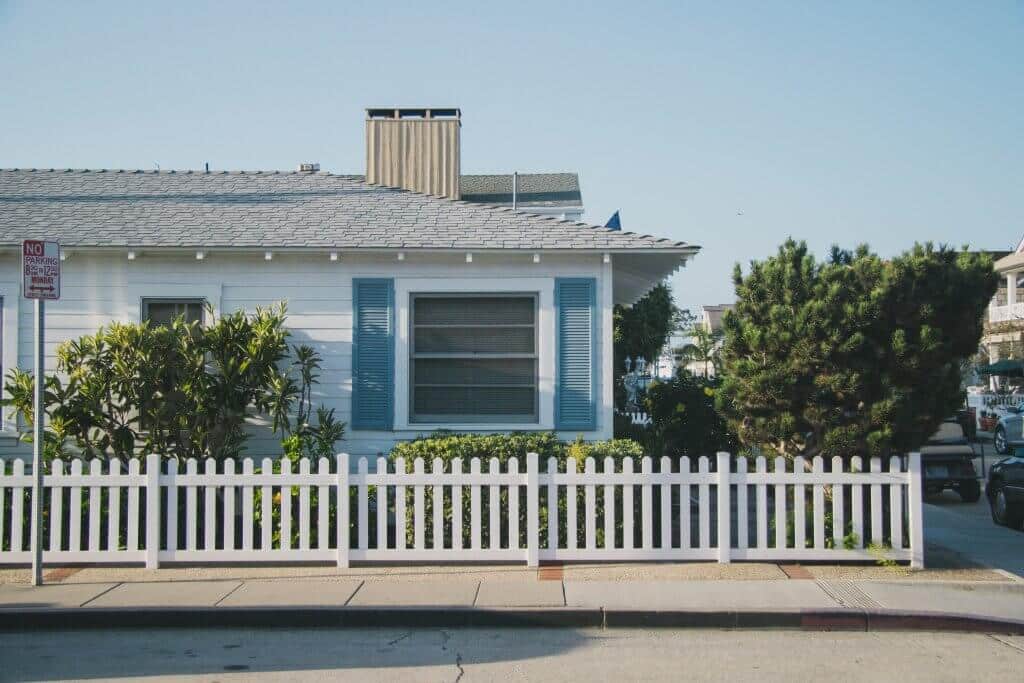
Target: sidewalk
point(477, 596)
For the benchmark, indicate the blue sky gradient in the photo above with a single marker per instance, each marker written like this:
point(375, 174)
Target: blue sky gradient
point(883, 122)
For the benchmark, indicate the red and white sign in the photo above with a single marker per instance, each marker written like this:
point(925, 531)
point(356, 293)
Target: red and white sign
point(40, 266)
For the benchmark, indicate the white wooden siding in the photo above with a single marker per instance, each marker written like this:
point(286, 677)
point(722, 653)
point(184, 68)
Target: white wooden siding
point(100, 287)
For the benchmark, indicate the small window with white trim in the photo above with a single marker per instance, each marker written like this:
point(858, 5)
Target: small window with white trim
point(164, 311)
point(473, 358)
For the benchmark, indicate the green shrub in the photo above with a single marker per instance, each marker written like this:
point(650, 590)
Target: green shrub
point(616, 449)
point(447, 447)
point(685, 420)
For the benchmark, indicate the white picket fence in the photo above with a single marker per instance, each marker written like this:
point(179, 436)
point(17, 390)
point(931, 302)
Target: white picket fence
point(710, 509)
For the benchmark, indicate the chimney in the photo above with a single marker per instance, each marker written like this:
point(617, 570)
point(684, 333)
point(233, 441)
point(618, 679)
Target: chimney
point(414, 149)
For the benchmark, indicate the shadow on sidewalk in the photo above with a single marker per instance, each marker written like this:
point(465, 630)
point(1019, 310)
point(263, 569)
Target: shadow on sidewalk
point(113, 653)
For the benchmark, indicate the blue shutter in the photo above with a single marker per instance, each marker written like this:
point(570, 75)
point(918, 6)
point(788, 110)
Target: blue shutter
point(373, 353)
point(575, 348)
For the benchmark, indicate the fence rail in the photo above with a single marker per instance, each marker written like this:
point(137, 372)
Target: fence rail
point(720, 508)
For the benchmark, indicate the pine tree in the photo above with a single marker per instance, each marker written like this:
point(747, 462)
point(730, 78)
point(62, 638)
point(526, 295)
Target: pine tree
point(853, 356)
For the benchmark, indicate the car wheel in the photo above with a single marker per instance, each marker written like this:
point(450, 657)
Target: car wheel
point(1002, 448)
point(970, 491)
point(1003, 513)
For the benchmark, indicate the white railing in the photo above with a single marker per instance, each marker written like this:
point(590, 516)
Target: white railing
point(1007, 312)
point(987, 400)
point(639, 418)
point(679, 511)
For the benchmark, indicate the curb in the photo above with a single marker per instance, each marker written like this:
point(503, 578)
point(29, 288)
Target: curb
point(470, 617)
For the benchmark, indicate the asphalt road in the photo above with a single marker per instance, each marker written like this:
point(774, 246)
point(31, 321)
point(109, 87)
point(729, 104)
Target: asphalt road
point(536, 655)
point(967, 530)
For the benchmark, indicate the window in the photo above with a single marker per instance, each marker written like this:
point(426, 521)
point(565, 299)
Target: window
point(473, 358)
point(164, 311)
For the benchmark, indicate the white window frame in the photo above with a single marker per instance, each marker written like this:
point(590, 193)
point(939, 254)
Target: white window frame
point(542, 288)
point(10, 292)
point(534, 299)
point(210, 294)
point(177, 300)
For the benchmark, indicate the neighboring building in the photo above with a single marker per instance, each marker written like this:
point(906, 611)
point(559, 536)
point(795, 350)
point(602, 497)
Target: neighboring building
point(711, 322)
point(429, 312)
point(712, 315)
point(1004, 322)
point(544, 194)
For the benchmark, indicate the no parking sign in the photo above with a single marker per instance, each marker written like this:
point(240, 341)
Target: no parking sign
point(40, 267)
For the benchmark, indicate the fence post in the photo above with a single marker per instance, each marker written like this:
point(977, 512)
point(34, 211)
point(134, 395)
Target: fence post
point(343, 509)
point(724, 518)
point(532, 510)
point(152, 511)
point(916, 512)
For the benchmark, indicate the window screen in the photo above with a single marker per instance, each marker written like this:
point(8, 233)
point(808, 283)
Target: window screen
point(474, 358)
point(164, 311)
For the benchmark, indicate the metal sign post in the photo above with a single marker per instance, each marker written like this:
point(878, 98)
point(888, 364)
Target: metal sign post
point(40, 267)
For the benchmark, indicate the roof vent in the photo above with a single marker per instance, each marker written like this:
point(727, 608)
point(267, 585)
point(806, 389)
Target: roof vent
point(309, 168)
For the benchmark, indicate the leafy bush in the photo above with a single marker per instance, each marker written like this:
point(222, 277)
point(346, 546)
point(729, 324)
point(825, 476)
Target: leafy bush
point(685, 420)
point(181, 390)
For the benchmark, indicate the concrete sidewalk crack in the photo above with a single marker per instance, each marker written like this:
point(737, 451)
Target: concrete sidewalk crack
point(458, 665)
point(358, 588)
point(228, 594)
point(477, 594)
point(100, 595)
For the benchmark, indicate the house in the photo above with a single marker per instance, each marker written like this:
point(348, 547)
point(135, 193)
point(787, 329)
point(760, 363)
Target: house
point(712, 316)
point(429, 311)
point(543, 194)
point(710, 322)
point(1003, 336)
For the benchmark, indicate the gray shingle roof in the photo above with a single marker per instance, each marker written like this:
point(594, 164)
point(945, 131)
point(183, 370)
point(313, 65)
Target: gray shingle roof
point(101, 208)
point(534, 189)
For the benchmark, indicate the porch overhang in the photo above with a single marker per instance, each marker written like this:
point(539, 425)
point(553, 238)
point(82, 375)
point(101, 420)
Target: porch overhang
point(1010, 264)
point(636, 273)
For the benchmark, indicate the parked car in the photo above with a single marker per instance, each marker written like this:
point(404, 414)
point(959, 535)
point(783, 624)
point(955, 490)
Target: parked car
point(1005, 490)
point(1009, 428)
point(947, 461)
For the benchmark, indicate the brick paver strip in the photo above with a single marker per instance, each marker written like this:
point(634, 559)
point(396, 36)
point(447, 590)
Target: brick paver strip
point(795, 571)
point(60, 573)
point(552, 572)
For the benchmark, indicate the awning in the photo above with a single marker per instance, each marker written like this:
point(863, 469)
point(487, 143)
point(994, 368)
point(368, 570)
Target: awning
point(1005, 368)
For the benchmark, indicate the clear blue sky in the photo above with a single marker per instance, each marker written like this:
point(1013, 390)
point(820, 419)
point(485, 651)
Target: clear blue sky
point(883, 122)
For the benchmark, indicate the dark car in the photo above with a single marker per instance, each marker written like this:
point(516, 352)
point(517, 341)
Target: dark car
point(947, 462)
point(1005, 490)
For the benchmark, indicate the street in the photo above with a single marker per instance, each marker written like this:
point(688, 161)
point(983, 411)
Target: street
point(493, 655)
point(966, 530)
